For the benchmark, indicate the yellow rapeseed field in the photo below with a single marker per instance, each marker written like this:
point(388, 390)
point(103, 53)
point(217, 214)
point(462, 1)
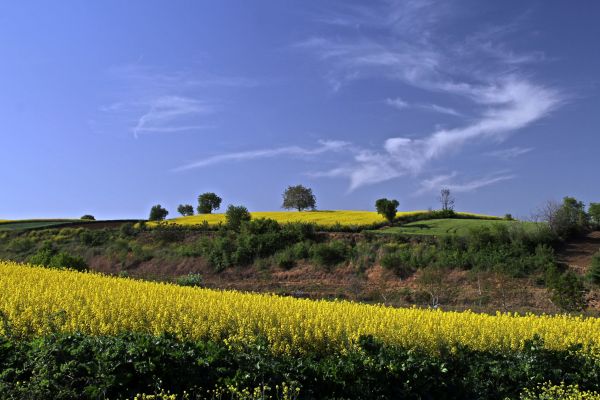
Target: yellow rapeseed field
point(35, 301)
point(322, 218)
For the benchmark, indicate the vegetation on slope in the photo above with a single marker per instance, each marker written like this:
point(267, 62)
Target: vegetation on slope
point(77, 335)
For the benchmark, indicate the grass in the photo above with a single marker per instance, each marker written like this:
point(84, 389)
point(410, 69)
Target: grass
point(442, 227)
point(14, 225)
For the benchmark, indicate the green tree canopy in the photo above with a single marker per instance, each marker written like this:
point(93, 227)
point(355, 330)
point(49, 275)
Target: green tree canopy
point(158, 213)
point(208, 202)
point(594, 212)
point(299, 197)
point(387, 208)
point(185, 209)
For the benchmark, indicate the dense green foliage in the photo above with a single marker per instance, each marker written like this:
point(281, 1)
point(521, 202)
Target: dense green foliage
point(158, 213)
point(88, 217)
point(185, 210)
point(235, 216)
point(73, 366)
point(48, 257)
point(256, 239)
point(594, 212)
point(299, 197)
point(208, 202)
point(594, 271)
point(387, 208)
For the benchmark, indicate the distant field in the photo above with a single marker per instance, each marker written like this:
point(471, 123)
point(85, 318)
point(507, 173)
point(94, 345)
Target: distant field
point(13, 225)
point(323, 218)
point(442, 227)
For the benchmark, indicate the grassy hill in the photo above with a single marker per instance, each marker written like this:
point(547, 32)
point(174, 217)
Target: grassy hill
point(442, 227)
point(23, 224)
point(327, 218)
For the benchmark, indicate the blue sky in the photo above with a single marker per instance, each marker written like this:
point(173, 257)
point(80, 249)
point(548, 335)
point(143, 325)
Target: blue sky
point(110, 107)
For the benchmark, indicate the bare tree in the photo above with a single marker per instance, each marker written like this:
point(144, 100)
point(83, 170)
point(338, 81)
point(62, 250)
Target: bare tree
point(447, 200)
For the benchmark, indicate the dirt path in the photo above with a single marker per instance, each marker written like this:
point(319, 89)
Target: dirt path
point(578, 252)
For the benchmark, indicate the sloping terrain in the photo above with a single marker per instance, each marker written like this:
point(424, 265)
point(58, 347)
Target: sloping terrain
point(578, 252)
point(442, 227)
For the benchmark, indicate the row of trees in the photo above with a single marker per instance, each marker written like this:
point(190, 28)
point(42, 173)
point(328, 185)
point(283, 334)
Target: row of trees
point(570, 217)
point(294, 197)
point(388, 208)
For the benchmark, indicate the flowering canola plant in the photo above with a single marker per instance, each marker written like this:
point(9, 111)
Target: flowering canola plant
point(321, 218)
point(36, 301)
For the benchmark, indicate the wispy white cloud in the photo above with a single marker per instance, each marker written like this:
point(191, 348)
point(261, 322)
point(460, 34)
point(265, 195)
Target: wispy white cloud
point(403, 41)
point(397, 103)
point(448, 181)
point(400, 104)
point(510, 153)
point(512, 105)
point(164, 101)
point(172, 114)
point(441, 109)
point(294, 151)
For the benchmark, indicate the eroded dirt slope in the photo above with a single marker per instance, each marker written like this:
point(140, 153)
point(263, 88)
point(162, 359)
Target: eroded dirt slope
point(578, 252)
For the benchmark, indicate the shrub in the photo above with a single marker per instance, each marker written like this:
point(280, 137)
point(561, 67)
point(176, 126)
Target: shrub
point(594, 271)
point(285, 259)
point(127, 230)
point(567, 290)
point(330, 254)
point(21, 245)
point(397, 261)
point(235, 216)
point(194, 280)
point(92, 238)
point(594, 212)
point(49, 258)
point(64, 260)
point(88, 217)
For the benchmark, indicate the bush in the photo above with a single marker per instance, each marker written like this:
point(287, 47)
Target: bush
point(399, 262)
point(51, 259)
point(594, 212)
point(594, 271)
point(235, 216)
point(330, 254)
point(567, 290)
point(285, 259)
point(78, 366)
point(88, 217)
point(127, 230)
point(21, 245)
point(190, 279)
point(64, 260)
point(93, 238)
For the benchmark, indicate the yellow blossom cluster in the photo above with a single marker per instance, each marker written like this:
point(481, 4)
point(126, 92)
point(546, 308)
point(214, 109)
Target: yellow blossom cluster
point(321, 218)
point(36, 301)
